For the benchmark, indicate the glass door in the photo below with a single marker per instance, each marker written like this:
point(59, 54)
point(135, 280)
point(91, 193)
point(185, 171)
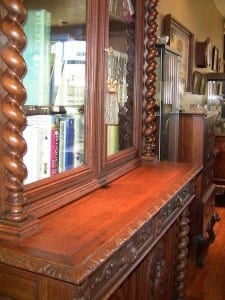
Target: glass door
point(168, 101)
point(55, 84)
point(119, 91)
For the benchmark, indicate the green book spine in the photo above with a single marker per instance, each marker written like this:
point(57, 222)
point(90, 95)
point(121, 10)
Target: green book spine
point(37, 57)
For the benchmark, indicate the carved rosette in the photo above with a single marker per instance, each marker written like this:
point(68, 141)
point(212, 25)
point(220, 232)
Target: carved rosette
point(11, 106)
point(149, 130)
point(182, 252)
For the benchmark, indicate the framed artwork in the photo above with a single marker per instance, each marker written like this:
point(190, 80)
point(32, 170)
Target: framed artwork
point(181, 40)
point(215, 52)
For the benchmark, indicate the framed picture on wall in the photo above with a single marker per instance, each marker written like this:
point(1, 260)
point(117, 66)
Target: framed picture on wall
point(181, 39)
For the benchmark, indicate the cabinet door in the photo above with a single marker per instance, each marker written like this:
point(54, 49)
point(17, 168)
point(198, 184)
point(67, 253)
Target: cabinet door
point(56, 85)
point(120, 130)
point(154, 277)
point(54, 138)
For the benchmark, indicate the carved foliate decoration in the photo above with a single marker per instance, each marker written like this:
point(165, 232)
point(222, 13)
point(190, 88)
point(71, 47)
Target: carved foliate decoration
point(158, 271)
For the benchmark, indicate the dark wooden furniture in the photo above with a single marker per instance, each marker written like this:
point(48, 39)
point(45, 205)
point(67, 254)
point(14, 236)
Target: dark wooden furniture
point(122, 241)
point(196, 144)
point(111, 228)
point(219, 169)
point(219, 163)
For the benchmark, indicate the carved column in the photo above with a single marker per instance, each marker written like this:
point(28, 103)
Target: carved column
point(15, 222)
point(181, 254)
point(149, 130)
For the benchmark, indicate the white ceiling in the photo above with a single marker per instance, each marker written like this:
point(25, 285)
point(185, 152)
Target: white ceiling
point(221, 6)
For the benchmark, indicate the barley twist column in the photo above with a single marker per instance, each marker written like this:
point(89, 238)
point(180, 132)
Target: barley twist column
point(149, 130)
point(11, 106)
point(181, 254)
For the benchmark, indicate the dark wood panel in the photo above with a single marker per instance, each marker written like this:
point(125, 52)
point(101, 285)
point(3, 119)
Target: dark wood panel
point(219, 164)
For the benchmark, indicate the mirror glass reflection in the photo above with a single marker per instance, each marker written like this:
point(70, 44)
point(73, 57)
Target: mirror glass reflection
point(120, 77)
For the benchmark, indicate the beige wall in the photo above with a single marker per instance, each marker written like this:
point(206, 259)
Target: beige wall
point(203, 19)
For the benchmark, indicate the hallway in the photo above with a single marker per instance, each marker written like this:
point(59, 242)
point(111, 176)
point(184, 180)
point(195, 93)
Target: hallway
point(208, 283)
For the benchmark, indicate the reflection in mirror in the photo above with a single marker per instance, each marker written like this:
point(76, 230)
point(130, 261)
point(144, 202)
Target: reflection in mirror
point(55, 55)
point(120, 77)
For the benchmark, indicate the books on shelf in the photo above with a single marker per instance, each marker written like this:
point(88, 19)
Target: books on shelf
point(55, 143)
point(41, 158)
point(37, 57)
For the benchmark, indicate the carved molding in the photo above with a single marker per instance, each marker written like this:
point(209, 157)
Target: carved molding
point(149, 130)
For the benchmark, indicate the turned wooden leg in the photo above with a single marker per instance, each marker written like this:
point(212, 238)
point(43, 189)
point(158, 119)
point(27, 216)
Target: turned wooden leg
point(201, 246)
point(215, 218)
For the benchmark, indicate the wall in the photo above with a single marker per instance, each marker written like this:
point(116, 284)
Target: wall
point(203, 19)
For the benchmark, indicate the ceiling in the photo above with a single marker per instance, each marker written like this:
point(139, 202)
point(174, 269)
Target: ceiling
point(221, 6)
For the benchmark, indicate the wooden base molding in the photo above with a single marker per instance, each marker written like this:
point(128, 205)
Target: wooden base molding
point(19, 231)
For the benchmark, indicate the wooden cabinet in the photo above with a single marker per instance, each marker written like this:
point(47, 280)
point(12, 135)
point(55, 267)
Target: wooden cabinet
point(196, 144)
point(106, 227)
point(122, 240)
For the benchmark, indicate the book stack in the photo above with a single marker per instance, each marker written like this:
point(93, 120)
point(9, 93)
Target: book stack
point(55, 143)
point(37, 57)
point(41, 158)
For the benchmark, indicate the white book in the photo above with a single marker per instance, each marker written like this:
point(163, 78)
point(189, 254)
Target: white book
point(44, 125)
point(30, 158)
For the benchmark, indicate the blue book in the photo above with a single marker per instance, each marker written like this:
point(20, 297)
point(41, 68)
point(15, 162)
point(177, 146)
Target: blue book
point(66, 143)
